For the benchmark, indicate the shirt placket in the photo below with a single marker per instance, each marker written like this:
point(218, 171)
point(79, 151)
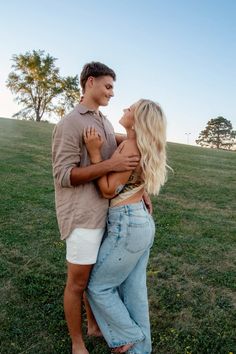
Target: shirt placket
point(100, 122)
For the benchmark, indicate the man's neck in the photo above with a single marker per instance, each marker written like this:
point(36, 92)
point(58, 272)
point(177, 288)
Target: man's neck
point(90, 104)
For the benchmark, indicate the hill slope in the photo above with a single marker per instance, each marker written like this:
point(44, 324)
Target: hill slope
point(191, 273)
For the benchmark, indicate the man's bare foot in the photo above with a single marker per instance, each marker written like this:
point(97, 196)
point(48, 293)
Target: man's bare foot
point(122, 349)
point(79, 349)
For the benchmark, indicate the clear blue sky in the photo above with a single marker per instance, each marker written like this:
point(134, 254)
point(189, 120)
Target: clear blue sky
point(181, 53)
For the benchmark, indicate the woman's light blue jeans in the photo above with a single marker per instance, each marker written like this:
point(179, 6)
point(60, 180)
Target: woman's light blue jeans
point(117, 290)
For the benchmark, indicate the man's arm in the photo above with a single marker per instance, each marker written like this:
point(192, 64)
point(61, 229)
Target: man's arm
point(117, 163)
point(110, 183)
point(66, 158)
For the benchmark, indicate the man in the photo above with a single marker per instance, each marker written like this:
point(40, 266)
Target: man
point(81, 211)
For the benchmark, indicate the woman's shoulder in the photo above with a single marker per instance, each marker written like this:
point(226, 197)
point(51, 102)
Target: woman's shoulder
point(129, 145)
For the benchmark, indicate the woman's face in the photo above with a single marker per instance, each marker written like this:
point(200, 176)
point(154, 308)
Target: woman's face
point(127, 120)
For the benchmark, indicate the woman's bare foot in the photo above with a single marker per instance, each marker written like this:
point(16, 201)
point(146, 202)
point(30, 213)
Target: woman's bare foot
point(122, 349)
point(94, 331)
point(92, 326)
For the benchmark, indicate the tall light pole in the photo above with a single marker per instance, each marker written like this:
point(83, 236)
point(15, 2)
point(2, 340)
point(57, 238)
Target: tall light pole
point(187, 137)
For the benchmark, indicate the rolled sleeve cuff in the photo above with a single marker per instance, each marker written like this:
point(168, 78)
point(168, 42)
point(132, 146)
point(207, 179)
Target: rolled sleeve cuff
point(66, 182)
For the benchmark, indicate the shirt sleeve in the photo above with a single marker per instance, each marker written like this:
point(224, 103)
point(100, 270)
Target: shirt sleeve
point(66, 153)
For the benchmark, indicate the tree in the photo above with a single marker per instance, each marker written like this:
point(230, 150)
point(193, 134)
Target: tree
point(38, 86)
point(69, 96)
point(217, 134)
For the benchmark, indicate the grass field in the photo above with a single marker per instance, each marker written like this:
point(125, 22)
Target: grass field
point(191, 273)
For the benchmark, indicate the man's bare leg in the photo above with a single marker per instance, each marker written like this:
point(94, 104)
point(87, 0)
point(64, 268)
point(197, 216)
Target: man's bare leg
point(93, 329)
point(77, 279)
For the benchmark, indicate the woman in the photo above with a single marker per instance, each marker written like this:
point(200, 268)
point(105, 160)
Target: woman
point(117, 289)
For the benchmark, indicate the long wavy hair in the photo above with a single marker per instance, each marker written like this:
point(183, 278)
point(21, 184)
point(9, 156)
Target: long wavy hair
point(150, 129)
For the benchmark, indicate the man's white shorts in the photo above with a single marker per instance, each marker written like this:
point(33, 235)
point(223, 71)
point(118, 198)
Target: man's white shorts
point(82, 245)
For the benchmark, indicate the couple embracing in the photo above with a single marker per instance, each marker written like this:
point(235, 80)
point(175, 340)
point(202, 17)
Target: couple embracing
point(102, 182)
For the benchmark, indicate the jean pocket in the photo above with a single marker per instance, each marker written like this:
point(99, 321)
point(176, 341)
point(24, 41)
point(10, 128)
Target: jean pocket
point(139, 237)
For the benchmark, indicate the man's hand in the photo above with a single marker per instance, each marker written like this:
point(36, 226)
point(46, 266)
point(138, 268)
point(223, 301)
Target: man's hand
point(147, 202)
point(124, 162)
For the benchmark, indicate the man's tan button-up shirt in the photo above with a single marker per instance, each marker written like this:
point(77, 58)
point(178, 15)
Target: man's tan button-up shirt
point(80, 206)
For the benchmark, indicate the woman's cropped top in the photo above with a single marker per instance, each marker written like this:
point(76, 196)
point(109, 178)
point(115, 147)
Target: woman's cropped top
point(134, 184)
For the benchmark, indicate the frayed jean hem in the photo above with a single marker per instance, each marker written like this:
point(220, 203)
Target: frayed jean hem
point(120, 344)
point(134, 352)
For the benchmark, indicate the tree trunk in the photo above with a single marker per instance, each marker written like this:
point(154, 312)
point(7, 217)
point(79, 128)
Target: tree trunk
point(218, 139)
point(38, 118)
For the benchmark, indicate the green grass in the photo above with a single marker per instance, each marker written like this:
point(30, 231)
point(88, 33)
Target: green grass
point(191, 273)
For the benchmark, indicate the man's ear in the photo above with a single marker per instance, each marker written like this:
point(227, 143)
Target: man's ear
point(90, 81)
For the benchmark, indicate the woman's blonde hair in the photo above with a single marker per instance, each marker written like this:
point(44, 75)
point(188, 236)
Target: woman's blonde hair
point(150, 128)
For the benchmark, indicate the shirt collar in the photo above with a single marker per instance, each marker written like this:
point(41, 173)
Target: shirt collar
point(83, 110)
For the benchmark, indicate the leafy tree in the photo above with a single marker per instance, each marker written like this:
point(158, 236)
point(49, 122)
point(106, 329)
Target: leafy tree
point(38, 86)
point(217, 134)
point(233, 134)
point(69, 96)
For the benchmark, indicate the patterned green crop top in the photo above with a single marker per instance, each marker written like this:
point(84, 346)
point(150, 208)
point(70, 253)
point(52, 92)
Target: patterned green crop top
point(134, 184)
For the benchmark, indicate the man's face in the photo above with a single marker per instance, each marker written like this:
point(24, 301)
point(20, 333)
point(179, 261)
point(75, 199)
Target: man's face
point(102, 89)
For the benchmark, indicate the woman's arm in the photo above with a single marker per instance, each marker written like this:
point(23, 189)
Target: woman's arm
point(111, 183)
point(148, 202)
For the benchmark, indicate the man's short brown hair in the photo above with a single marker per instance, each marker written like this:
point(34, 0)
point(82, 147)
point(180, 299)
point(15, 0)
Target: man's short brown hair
point(94, 69)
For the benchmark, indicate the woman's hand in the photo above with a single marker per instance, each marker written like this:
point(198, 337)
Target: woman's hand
point(93, 142)
point(148, 202)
